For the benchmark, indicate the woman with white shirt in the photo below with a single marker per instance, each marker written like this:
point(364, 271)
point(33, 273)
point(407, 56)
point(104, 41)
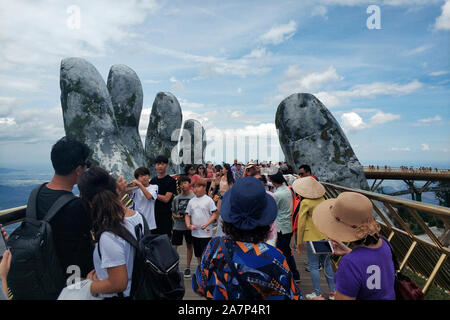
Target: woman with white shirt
point(113, 256)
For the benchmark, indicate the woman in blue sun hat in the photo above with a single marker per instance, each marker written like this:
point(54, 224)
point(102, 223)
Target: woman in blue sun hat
point(240, 265)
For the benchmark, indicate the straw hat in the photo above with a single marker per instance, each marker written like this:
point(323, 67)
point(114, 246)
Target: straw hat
point(347, 218)
point(308, 187)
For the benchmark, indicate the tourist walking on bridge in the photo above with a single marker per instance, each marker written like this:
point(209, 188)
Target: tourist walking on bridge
point(365, 272)
point(283, 198)
point(312, 193)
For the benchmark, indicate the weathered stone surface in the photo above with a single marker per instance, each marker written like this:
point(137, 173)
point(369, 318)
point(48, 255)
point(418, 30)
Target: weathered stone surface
point(309, 134)
point(192, 143)
point(163, 131)
point(89, 116)
point(125, 90)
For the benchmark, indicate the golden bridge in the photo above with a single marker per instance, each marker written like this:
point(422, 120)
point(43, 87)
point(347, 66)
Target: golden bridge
point(425, 257)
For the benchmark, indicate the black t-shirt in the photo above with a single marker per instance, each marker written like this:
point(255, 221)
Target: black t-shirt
point(71, 228)
point(163, 211)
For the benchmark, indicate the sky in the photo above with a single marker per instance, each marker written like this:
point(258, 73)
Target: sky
point(382, 68)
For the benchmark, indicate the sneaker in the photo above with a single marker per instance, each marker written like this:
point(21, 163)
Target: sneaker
point(187, 273)
point(331, 296)
point(314, 296)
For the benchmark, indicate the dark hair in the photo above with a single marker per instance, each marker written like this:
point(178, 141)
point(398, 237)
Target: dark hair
point(290, 169)
point(263, 179)
point(230, 178)
point(187, 167)
point(257, 235)
point(98, 192)
point(182, 179)
point(368, 240)
point(204, 170)
point(67, 154)
point(277, 178)
point(306, 168)
point(161, 159)
point(218, 167)
point(141, 171)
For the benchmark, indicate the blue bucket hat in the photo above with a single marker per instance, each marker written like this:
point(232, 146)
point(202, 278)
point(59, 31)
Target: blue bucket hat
point(247, 205)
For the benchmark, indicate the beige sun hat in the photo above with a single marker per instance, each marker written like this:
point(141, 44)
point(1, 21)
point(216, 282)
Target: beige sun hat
point(308, 187)
point(347, 218)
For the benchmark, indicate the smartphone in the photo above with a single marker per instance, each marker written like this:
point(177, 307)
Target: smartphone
point(321, 247)
point(3, 246)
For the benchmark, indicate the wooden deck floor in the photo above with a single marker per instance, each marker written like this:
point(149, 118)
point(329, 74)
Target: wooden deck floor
point(305, 285)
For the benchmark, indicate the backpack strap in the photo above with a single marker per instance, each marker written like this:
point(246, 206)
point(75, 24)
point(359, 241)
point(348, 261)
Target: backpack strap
point(31, 211)
point(58, 205)
point(394, 258)
point(247, 287)
point(128, 237)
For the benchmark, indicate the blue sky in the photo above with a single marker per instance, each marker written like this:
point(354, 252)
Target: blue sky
point(230, 63)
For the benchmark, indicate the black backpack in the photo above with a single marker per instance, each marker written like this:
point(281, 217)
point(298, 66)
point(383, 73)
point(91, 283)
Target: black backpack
point(155, 270)
point(36, 272)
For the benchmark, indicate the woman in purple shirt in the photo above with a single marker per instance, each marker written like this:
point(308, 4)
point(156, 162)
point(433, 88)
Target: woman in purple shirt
point(365, 272)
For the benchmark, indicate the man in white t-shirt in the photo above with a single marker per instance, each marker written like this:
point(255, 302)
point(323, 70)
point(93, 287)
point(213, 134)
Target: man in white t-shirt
point(144, 196)
point(201, 212)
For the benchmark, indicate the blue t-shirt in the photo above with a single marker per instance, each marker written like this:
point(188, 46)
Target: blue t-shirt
point(367, 274)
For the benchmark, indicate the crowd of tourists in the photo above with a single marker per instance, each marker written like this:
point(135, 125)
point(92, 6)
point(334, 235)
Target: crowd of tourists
point(242, 222)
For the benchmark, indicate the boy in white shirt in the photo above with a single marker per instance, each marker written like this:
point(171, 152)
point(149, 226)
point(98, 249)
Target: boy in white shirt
point(201, 212)
point(144, 197)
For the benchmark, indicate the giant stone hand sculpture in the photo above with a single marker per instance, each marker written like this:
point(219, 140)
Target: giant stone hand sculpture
point(309, 134)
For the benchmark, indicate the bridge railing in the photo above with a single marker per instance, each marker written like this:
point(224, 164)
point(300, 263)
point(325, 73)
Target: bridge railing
point(400, 222)
point(425, 257)
point(406, 169)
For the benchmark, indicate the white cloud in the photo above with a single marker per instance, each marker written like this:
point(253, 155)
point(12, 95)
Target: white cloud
point(403, 149)
point(443, 21)
point(410, 2)
point(351, 121)
point(381, 118)
point(177, 85)
point(439, 73)
point(425, 147)
point(419, 50)
point(184, 103)
point(297, 80)
point(151, 81)
point(250, 64)
point(42, 32)
point(239, 90)
point(428, 121)
point(383, 2)
point(370, 90)
point(320, 11)
point(279, 33)
point(32, 125)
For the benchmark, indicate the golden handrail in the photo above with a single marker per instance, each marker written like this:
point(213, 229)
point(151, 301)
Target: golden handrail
point(426, 258)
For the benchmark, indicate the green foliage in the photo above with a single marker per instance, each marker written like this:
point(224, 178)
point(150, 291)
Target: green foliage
point(443, 196)
point(433, 293)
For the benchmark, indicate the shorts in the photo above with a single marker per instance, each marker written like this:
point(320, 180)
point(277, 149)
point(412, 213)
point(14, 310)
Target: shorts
point(177, 237)
point(200, 245)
